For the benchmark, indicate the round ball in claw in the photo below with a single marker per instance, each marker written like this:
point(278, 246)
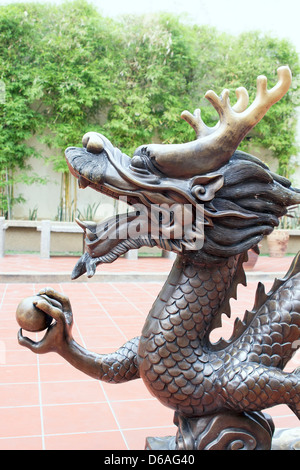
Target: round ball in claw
point(31, 318)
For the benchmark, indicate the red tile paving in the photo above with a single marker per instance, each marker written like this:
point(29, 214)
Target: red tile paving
point(33, 263)
point(47, 404)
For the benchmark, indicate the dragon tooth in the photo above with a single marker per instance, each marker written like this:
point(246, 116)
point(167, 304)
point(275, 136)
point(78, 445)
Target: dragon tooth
point(81, 224)
point(90, 235)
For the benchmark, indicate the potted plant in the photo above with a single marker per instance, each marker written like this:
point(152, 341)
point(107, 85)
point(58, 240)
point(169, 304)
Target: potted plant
point(278, 240)
point(252, 259)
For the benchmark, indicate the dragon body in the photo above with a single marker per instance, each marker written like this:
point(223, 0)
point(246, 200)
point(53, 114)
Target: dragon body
point(241, 201)
point(195, 378)
point(187, 373)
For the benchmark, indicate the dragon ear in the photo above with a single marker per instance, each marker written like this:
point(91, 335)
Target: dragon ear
point(204, 188)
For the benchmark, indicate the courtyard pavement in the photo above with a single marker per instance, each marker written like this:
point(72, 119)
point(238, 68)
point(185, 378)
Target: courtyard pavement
point(45, 403)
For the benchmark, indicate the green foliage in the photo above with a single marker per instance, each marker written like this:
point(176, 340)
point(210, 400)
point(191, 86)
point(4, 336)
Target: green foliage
point(18, 121)
point(68, 70)
point(89, 213)
point(255, 53)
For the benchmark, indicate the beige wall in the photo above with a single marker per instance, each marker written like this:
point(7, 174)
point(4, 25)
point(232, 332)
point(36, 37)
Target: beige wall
point(268, 159)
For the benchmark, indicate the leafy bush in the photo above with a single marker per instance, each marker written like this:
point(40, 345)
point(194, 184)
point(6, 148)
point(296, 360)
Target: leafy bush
point(68, 70)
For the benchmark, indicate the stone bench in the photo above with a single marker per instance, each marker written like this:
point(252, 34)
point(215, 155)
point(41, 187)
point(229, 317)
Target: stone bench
point(3, 227)
point(46, 227)
point(134, 254)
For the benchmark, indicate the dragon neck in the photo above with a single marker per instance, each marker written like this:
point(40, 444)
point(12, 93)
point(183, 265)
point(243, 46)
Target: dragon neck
point(193, 298)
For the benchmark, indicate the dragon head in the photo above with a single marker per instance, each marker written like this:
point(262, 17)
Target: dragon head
point(203, 198)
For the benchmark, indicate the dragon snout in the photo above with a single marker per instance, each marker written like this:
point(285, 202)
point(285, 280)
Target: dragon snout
point(93, 142)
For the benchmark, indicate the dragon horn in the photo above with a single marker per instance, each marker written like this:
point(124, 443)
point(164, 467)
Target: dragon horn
point(214, 146)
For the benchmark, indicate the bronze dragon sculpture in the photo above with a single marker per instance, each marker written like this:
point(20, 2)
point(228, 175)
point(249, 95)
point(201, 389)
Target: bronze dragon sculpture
point(209, 203)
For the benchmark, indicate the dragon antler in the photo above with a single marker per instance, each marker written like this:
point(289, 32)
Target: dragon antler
point(200, 128)
point(242, 122)
point(215, 145)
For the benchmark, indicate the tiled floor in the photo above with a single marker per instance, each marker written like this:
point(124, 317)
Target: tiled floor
point(32, 263)
point(47, 404)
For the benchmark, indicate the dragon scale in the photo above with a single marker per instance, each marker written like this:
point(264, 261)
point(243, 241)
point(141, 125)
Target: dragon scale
point(177, 359)
point(178, 363)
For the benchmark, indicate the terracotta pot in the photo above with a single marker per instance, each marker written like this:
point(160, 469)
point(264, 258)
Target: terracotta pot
point(252, 258)
point(277, 243)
